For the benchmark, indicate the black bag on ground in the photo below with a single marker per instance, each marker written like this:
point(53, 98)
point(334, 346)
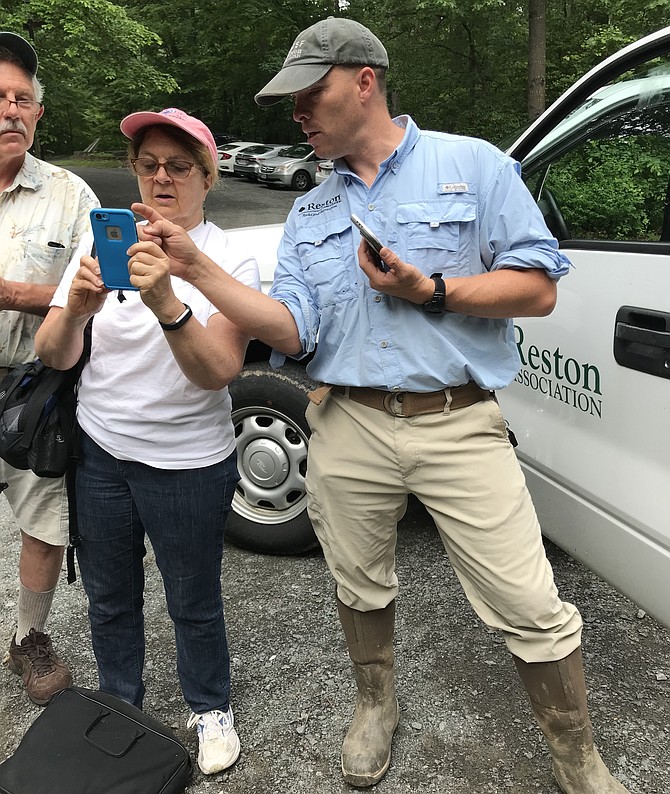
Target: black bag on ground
point(89, 742)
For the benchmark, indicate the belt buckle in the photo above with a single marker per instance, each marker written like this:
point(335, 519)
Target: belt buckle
point(392, 403)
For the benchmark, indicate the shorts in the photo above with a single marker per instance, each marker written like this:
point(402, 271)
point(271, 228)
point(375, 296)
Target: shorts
point(39, 504)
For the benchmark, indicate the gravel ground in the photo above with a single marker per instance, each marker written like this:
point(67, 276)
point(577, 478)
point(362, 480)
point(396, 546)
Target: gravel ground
point(465, 723)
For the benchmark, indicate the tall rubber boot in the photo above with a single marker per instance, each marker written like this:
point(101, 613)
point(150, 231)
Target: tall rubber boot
point(557, 693)
point(366, 750)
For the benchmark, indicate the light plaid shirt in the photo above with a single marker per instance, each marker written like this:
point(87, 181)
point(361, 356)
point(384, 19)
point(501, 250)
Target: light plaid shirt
point(43, 215)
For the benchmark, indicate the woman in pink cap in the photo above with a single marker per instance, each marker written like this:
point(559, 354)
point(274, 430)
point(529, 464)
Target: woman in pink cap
point(158, 448)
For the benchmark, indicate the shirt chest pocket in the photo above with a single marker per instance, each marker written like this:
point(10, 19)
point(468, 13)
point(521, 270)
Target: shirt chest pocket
point(44, 264)
point(435, 234)
point(325, 252)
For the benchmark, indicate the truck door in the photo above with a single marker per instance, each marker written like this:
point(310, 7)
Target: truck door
point(591, 404)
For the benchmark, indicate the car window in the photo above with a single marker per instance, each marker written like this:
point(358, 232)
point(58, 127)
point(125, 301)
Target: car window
point(299, 150)
point(256, 149)
point(604, 173)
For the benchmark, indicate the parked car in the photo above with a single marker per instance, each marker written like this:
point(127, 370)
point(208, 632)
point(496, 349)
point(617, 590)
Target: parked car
point(228, 152)
point(221, 138)
point(590, 404)
point(324, 168)
point(293, 167)
point(249, 159)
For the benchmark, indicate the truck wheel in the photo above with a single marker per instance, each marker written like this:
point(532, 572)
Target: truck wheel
point(269, 512)
point(301, 180)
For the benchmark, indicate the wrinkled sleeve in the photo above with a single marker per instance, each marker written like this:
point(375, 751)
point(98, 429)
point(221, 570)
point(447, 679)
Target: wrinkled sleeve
point(513, 233)
point(289, 287)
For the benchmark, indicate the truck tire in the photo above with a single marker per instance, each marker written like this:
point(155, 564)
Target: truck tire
point(269, 512)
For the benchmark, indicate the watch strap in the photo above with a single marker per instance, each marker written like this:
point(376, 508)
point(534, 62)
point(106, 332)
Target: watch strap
point(437, 304)
point(183, 318)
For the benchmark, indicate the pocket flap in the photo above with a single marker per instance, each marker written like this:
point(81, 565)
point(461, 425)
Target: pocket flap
point(448, 210)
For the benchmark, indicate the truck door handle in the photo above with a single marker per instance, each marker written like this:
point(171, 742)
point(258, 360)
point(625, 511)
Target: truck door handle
point(642, 340)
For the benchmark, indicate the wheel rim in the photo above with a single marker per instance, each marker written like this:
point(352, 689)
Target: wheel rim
point(272, 460)
point(301, 181)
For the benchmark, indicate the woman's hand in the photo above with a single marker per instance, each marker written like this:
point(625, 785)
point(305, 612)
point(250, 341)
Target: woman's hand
point(87, 292)
point(175, 241)
point(149, 269)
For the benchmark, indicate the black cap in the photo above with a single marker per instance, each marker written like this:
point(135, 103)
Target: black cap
point(21, 48)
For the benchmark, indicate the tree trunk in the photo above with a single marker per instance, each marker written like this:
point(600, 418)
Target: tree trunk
point(537, 56)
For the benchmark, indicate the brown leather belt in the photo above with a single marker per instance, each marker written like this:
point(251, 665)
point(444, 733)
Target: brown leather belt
point(408, 403)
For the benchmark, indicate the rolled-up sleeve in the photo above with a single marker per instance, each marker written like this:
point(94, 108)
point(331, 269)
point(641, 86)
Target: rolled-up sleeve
point(513, 233)
point(289, 288)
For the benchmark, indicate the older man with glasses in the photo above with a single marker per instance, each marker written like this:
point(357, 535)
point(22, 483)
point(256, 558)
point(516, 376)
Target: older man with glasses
point(43, 220)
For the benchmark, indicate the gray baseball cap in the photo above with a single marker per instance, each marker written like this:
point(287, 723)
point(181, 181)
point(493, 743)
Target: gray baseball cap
point(332, 41)
point(21, 48)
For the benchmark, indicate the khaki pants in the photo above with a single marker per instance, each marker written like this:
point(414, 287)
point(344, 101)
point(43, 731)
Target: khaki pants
point(362, 465)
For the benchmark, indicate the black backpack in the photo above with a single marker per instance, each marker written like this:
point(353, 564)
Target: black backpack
point(37, 417)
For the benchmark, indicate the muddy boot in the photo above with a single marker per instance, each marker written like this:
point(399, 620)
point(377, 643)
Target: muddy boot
point(366, 751)
point(557, 693)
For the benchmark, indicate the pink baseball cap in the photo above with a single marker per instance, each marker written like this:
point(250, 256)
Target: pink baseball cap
point(133, 123)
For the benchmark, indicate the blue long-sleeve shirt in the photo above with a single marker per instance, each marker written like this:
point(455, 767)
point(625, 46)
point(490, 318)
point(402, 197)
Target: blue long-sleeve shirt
point(443, 203)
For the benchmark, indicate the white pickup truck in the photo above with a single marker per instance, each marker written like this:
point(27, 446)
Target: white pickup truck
point(590, 406)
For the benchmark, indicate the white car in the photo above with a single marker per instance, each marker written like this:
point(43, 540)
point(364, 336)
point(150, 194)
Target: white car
point(591, 404)
point(324, 168)
point(228, 152)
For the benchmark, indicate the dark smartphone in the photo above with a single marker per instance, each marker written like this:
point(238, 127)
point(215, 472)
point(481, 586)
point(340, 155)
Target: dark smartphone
point(373, 242)
point(114, 231)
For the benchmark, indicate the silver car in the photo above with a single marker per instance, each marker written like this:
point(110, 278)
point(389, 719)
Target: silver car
point(248, 160)
point(293, 167)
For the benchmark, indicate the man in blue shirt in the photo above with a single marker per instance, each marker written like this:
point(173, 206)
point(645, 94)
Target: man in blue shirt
point(409, 359)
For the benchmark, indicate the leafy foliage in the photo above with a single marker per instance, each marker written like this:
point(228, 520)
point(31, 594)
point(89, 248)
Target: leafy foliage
point(456, 65)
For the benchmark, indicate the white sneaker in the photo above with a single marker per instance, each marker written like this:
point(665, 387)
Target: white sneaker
point(217, 738)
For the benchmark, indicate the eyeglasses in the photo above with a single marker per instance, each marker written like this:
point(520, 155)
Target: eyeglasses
point(146, 166)
point(29, 105)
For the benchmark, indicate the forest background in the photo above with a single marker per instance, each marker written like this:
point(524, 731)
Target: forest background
point(474, 67)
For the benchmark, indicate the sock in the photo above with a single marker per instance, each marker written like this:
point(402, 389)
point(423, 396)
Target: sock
point(33, 611)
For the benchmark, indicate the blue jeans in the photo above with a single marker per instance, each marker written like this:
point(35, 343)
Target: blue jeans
point(183, 513)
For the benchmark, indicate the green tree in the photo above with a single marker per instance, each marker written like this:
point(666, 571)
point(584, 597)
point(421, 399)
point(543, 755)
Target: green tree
point(95, 65)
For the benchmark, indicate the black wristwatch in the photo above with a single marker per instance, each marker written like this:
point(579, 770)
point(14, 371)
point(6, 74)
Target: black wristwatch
point(436, 305)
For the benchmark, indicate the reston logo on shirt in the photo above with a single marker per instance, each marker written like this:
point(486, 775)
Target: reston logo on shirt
point(316, 208)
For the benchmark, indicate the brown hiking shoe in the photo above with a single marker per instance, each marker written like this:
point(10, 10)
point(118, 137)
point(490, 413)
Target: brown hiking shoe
point(36, 662)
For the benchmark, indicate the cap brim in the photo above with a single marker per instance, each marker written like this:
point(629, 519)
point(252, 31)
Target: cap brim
point(290, 80)
point(133, 123)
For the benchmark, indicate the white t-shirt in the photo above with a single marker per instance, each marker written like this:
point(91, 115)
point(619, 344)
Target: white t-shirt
point(134, 400)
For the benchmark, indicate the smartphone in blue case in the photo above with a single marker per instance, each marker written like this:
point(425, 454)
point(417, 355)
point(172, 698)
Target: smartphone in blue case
point(114, 231)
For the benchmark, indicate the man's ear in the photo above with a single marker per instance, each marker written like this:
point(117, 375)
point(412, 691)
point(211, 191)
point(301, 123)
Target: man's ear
point(41, 113)
point(367, 80)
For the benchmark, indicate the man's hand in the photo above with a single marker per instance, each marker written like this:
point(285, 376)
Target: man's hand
point(402, 279)
point(5, 295)
point(175, 242)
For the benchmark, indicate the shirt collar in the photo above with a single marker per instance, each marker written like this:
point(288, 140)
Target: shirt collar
point(28, 176)
point(396, 157)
